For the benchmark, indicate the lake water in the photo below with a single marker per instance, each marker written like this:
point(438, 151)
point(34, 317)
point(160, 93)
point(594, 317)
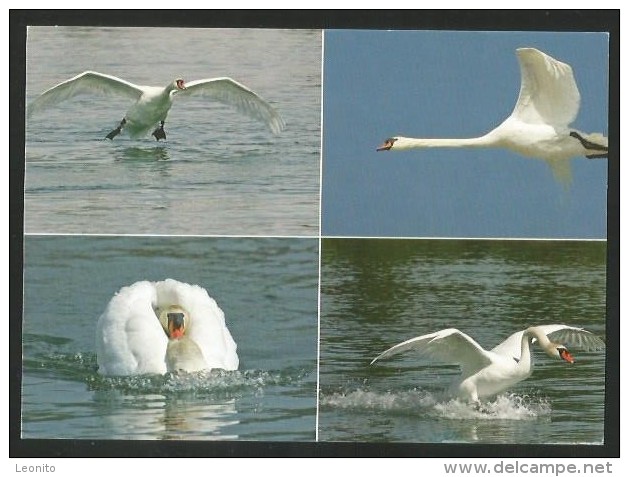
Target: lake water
point(218, 172)
point(376, 293)
point(267, 288)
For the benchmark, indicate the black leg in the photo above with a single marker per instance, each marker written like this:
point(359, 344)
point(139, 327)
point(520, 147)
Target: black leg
point(159, 132)
point(590, 145)
point(116, 131)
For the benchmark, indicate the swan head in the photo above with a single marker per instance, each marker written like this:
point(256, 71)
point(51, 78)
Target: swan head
point(387, 144)
point(174, 320)
point(561, 352)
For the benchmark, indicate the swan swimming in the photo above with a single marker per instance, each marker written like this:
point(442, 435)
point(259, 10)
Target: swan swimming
point(539, 124)
point(152, 103)
point(486, 373)
point(159, 327)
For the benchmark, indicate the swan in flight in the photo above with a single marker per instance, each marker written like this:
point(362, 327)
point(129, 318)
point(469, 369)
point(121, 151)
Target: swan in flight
point(159, 327)
point(486, 373)
point(539, 124)
point(151, 103)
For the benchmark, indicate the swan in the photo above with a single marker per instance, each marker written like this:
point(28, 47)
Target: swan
point(152, 103)
point(159, 327)
point(539, 124)
point(486, 373)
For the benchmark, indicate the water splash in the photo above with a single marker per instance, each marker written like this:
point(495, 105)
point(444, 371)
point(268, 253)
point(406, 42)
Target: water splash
point(435, 405)
point(505, 407)
point(216, 382)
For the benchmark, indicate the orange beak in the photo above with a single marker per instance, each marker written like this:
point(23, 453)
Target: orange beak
point(563, 353)
point(176, 325)
point(385, 146)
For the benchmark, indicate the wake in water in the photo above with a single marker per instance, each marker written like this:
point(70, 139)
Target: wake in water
point(436, 405)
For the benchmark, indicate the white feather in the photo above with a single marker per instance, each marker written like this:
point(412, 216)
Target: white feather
point(131, 340)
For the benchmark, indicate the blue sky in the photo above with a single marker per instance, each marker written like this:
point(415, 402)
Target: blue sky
point(451, 84)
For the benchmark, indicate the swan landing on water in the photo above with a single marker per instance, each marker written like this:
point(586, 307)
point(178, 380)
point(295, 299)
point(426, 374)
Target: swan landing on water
point(153, 103)
point(159, 327)
point(539, 124)
point(486, 373)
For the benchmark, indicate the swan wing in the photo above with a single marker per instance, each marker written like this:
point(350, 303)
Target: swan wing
point(574, 337)
point(449, 346)
point(568, 335)
point(88, 82)
point(232, 93)
point(129, 337)
point(548, 91)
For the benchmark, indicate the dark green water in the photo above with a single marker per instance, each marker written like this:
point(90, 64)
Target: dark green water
point(376, 293)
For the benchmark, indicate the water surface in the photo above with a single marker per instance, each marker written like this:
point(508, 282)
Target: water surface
point(267, 289)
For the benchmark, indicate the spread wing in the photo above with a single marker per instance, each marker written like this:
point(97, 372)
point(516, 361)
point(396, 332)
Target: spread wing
point(548, 91)
point(449, 346)
point(88, 82)
point(232, 93)
point(564, 334)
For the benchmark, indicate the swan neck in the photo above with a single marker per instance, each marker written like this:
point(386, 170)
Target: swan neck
point(412, 143)
point(525, 348)
point(542, 339)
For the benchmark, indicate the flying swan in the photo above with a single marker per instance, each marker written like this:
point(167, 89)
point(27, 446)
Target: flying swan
point(152, 103)
point(539, 124)
point(159, 327)
point(486, 373)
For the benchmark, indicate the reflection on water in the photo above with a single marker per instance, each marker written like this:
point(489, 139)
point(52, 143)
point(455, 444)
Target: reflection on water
point(155, 153)
point(155, 416)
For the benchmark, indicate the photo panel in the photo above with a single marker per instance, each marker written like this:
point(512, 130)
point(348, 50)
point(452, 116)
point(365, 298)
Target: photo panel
point(241, 152)
point(99, 363)
point(458, 85)
point(376, 293)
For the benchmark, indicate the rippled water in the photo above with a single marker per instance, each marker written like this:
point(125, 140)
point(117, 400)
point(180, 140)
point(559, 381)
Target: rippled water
point(376, 293)
point(268, 291)
point(218, 172)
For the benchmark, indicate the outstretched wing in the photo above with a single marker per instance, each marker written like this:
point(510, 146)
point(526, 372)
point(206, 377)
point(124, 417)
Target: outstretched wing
point(564, 334)
point(449, 346)
point(548, 91)
point(574, 337)
point(232, 93)
point(129, 337)
point(88, 82)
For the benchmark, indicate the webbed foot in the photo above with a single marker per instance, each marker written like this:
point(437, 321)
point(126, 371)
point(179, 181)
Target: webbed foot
point(159, 132)
point(116, 131)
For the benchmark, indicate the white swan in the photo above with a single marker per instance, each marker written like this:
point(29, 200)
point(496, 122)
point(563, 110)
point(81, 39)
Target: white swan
point(486, 373)
point(539, 124)
point(159, 327)
point(153, 103)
